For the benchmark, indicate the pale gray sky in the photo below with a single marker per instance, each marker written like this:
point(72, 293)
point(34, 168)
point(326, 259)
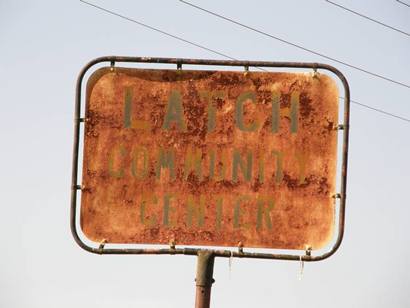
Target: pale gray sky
point(43, 46)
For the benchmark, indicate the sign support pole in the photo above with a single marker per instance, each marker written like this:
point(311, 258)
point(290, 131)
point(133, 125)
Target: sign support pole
point(204, 280)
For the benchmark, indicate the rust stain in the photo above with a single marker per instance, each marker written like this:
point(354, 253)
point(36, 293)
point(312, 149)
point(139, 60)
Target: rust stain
point(209, 158)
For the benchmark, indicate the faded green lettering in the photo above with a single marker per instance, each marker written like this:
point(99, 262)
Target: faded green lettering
point(239, 120)
point(219, 212)
point(174, 112)
point(128, 123)
point(246, 168)
point(279, 165)
point(195, 211)
point(275, 111)
point(167, 210)
point(263, 213)
point(208, 97)
point(238, 212)
point(152, 219)
point(166, 159)
point(193, 160)
point(261, 167)
point(211, 110)
point(213, 166)
point(294, 112)
point(127, 108)
point(116, 173)
point(140, 174)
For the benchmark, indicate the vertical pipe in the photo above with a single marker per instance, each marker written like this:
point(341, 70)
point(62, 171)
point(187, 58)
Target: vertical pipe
point(204, 280)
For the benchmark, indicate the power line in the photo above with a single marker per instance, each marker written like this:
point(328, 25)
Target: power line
point(404, 3)
point(368, 18)
point(157, 30)
point(217, 52)
point(297, 45)
point(380, 111)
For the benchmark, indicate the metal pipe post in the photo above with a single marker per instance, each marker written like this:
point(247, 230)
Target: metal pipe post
point(204, 279)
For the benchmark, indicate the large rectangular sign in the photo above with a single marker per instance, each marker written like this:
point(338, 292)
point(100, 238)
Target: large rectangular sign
point(212, 158)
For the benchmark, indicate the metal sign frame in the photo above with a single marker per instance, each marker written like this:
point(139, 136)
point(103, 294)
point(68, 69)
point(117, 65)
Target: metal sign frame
point(227, 253)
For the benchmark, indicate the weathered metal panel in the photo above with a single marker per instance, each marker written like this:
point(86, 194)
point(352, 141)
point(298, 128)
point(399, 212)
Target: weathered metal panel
point(209, 158)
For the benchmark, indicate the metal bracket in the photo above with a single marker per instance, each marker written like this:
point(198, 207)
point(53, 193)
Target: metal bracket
point(240, 248)
point(308, 251)
point(102, 244)
point(246, 70)
point(172, 244)
point(339, 127)
point(337, 196)
point(315, 73)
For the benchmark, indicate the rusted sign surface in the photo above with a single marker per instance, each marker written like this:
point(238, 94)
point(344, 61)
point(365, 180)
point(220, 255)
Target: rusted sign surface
point(209, 158)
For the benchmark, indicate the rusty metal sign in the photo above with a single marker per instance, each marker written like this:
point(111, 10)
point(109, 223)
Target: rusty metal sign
point(210, 158)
